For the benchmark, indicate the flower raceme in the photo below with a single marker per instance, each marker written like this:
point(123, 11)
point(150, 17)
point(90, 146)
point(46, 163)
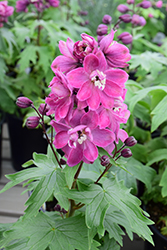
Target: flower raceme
point(87, 97)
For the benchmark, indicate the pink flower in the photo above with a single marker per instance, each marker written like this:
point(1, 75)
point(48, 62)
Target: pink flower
point(116, 54)
point(96, 83)
point(5, 12)
point(112, 118)
point(159, 4)
point(73, 54)
point(22, 5)
point(60, 98)
point(80, 141)
point(86, 46)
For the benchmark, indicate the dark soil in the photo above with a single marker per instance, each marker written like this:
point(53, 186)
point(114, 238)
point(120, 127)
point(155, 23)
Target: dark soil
point(156, 210)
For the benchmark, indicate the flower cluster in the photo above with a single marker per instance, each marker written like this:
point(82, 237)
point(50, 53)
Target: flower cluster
point(5, 12)
point(87, 97)
point(21, 5)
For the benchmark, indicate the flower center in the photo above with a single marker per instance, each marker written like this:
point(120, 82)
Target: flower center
point(98, 78)
point(81, 137)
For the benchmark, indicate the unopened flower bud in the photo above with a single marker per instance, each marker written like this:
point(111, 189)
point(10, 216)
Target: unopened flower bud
point(32, 122)
point(57, 208)
point(107, 19)
point(63, 211)
point(130, 141)
point(126, 18)
point(126, 153)
point(102, 29)
point(23, 102)
point(159, 4)
point(142, 21)
point(83, 13)
point(136, 19)
point(62, 161)
point(122, 8)
point(130, 1)
point(43, 108)
point(144, 4)
point(125, 37)
point(105, 160)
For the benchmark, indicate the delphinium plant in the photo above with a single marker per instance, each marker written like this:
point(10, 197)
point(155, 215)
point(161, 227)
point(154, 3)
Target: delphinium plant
point(86, 107)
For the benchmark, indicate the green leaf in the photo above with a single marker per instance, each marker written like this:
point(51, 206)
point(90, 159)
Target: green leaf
point(109, 244)
point(143, 93)
point(159, 114)
point(113, 193)
point(27, 55)
point(156, 156)
point(41, 232)
point(69, 174)
point(163, 183)
point(10, 39)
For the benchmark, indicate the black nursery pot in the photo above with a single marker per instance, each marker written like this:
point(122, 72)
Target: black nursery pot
point(160, 240)
point(24, 141)
point(2, 119)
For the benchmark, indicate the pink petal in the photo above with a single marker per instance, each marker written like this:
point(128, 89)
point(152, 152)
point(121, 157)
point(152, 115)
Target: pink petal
point(60, 90)
point(107, 101)
point(66, 48)
point(91, 63)
point(59, 126)
point(122, 135)
point(102, 61)
point(75, 156)
point(118, 76)
point(90, 151)
point(85, 91)
point(104, 119)
point(90, 119)
point(102, 137)
point(64, 64)
point(106, 41)
point(61, 139)
point(77, 77)
point(94, 101)
point(112, 89)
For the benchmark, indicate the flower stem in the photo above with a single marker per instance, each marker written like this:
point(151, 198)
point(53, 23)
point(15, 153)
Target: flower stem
point(105, 170)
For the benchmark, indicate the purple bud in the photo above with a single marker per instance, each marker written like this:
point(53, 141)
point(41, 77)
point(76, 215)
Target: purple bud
point(57, 208)
point(83, 13)
point(125, 37)
point(62, 161)
point(23, 102)
point(126, 153)
point(107, 19)
point(43, 108)
point(126, 18)
point(105, 160)
point(142, 21)
point(144, 4)
point(63, 211)
point(122, 8)
point(32, 122)
point(102, 29)
point(136, 19)
point(130, 141)
point(130, 1)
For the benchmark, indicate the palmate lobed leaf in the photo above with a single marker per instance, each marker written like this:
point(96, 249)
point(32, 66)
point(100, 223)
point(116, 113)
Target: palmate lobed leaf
point(40, 232)
point(113, 193)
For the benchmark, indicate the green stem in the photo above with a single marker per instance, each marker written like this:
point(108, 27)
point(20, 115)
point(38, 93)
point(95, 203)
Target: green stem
point(73, 206)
